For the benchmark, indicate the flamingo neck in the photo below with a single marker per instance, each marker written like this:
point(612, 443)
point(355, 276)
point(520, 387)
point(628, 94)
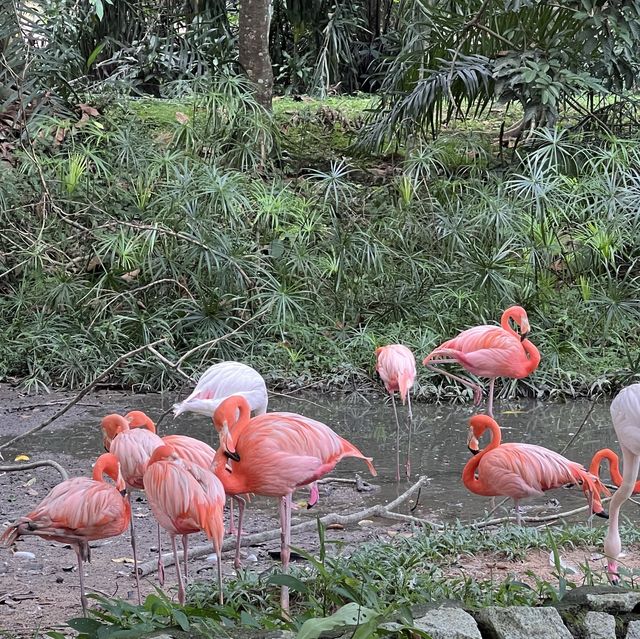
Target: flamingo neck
point(469, 479)
point(614, 467)
point(233, 482)
point(533, 355)
point(504, 322)
point(106, 464)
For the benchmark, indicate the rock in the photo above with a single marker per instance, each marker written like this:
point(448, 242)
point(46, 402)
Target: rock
point(602, 599)
point(515, 622)
point(599, 625)
point(24, 554)
point(448, 623)
point(633, 630)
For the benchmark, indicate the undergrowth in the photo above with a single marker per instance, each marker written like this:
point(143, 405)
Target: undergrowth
point(205, 218)
point(384, 584)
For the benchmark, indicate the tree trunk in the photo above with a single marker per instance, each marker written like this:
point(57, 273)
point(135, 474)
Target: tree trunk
point(253, 42)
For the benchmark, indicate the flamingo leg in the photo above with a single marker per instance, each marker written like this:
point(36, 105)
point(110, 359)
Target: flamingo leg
point(135, 557)
point(83, 598)
point(236, 560)
point(395, 413)
point(408, 464)
point(177, 562)
point(516, 505)
point(185, 550)
point(218, 551)
point(285, 523)
point(476, 388)
point(232, 528)
point(612, 543)
point(490, 398)
point(160, 562)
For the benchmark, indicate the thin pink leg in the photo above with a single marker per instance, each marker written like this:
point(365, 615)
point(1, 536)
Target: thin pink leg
point(185, 550)
point(490, 398)
point(395, 413)
point(236, 561)
point(218, 551)
point(177, 561)
point(232, 528)
point(408, 464)
point(476, 388)
point(285, 552)
point(83, 599)
point(135, 556)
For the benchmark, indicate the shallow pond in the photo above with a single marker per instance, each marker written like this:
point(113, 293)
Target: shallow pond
point(438, 444)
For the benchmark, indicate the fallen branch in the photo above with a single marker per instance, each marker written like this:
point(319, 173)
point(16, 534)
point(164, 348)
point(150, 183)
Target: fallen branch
point(82, 393)
point(379, 510)
point(531, 519)
point(36, 464)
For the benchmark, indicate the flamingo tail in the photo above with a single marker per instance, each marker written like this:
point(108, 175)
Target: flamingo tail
point(404, 383)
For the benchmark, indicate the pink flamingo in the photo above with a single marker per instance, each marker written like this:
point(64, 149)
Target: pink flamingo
point(396, 366)
point(489, 351)
point(185, 499)
point(273, 455)
point(133, 448)
point(77, 511)
point(522, 470)
point(223, 380)
point(625, 414)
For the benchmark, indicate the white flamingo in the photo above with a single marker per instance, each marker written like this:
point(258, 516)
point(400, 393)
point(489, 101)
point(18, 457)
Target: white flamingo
point(625, 414)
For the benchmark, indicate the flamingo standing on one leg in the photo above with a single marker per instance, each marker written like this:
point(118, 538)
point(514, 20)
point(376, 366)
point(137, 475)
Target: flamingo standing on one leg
point(625, 414)
point(221, 381)
point(489, 351)
point(133, 448)
point(77, 511)
point(522, 470)
point(185, 499)
point(396, 366)
point(273, 455)
point(614, 467)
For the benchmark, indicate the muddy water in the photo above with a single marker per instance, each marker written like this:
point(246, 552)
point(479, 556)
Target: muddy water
point(438, 443)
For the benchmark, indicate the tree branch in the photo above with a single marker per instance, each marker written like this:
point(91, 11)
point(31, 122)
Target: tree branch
point(36, 464)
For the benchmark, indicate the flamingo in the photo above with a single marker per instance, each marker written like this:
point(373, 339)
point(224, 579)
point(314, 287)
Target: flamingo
point(396, 366)
point(133, 448)
point(77, 511)
point(273, 455)
point(223, 380)
point(625, 414)
point(489, 351)
point(522, 470)
point(187, 448)
point(614, 468)
point(185, 499)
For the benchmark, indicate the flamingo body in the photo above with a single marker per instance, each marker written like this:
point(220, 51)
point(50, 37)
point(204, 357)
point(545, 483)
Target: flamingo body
point(490, 351)
point(77, 511)
point(522, 470)
point(221, 381)
point(625, 414)
point(185, 499)
point(274, 454)
point(396, 366)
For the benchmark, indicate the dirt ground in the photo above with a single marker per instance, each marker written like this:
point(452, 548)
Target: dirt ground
point(39, 585)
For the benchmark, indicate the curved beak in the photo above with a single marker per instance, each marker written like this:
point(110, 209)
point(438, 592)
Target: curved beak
point(472, 443)
point(523, 336)
point(226, 443)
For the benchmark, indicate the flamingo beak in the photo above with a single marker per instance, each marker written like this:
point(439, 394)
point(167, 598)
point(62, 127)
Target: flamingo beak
point(227, 443)
point(472, 443)
point(523, 336)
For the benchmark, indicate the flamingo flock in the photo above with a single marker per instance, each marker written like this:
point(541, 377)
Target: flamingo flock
point(186, 481)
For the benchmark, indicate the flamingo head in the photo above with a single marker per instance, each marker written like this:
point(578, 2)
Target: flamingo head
point(478, 424)
point(472, 443)
point(138, 419)
point(225, 417)
point(108, 464)
point(519, 316)
point(163, 453)
point(112, 425)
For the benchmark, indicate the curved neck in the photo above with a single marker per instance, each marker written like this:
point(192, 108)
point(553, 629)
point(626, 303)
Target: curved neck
point(614, 467)
point(504, 322)
point(533, 355)
point(106, 464)
point(476, 485)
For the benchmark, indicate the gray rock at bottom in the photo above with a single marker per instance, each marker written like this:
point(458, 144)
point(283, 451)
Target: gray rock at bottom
point(448, 623)
point(614, 602)
point(516, 622)
point(599, 625)
point(633, 630)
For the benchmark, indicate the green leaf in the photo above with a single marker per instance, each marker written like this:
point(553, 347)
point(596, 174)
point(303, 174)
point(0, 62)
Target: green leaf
point(99, 8)
point(287, 580)
point(352, 614)
point(181, 619)
point(94, 54)
point(83, 624)
point(54, 634)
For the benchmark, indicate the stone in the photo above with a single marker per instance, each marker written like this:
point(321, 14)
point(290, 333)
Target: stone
point(602, 599)
point(599, 625)
point(515, 622)
point(633, 630)
point(448, 623)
